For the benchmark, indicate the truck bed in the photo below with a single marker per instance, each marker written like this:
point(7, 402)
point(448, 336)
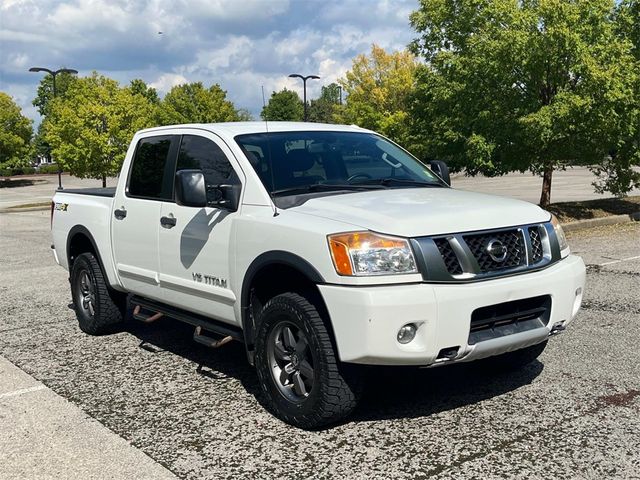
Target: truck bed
point(95, 192)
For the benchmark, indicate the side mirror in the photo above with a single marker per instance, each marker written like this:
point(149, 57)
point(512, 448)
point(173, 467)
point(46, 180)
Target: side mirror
point(190, 188)
point(440, 168)
point(226, 197)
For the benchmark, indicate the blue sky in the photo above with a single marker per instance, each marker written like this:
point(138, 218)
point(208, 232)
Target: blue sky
point(240, 44)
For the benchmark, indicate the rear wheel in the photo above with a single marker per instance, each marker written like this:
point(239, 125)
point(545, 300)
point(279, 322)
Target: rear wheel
point(301, 379)
point(99, 310)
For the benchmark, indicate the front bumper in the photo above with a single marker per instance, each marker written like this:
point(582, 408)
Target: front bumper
point(366, 320)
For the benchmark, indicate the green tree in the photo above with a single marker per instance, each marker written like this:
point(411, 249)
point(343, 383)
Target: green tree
point(193, 103)
point(284, 105)
point(620, 172)
point(45, 90)
point(508, 85)
point(39, 145)
point(244, 115)
point(15, 134)
point(139, 87)
point(378, 90)
point(90, 128)
point(328, 107)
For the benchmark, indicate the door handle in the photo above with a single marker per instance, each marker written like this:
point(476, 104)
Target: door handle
point(168, 222)
point(120, 213)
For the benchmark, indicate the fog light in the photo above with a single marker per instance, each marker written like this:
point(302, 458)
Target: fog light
point(407, 333)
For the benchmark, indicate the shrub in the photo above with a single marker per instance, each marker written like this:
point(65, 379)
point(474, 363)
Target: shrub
point(48, 168)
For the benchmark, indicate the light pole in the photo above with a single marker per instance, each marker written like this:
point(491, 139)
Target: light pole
point(53, 74)
point(304, 88)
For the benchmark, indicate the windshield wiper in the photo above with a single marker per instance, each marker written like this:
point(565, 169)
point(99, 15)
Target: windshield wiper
point(324, 187)
point(390, 181)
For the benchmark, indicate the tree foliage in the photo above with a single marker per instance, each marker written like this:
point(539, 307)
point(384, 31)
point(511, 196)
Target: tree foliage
point(328, 107)
point(528, 85)
point(284, 105)
point(378, 90)
point(620, 171)
point(90, 128)
point(45, 90)
point(139, 87)
point(15, 134)
point(193, 103)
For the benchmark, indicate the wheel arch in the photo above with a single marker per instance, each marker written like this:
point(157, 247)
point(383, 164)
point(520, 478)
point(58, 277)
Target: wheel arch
point(294, 274)
point(79, 241)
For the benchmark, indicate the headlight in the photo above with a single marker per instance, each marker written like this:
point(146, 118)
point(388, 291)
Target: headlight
point(562, 239)
point(366, 253)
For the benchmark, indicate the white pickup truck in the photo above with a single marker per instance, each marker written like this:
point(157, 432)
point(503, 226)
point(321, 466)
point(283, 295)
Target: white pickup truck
point(319, 247)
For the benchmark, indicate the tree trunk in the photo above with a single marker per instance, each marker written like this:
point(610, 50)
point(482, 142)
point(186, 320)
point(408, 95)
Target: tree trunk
point(545, 196)
point(104, 181)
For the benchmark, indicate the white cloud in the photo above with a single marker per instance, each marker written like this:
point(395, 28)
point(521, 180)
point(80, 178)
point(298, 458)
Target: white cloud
point(167, 81)
point(240, 44)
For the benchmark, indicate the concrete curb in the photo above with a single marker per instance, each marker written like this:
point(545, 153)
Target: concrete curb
point(17, 209)
point(597, 222)
point(43, 435)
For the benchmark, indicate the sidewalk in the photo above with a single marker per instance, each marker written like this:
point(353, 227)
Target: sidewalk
point(42, 435)
point(42, 188)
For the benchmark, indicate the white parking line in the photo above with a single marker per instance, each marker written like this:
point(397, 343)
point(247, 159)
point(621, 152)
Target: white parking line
point(619, 261)
point(23, 390)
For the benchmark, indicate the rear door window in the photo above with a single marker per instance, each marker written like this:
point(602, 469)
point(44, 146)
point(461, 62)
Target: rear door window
point(151, 175)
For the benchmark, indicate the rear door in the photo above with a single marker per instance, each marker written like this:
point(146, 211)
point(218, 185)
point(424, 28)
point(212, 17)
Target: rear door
point(137, 212)
point(196, 264)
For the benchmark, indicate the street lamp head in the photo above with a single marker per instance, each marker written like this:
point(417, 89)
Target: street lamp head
point(295, 75)
point(315, 77)
point(60, 70)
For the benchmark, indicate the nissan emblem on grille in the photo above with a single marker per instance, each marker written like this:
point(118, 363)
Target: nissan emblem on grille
point(497, 250)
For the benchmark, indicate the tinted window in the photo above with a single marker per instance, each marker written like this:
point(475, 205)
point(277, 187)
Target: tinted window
point(202, 154)
point(150, 173)
point(296, 159)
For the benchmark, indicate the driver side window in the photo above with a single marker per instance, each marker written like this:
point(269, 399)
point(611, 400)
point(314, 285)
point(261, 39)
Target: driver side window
point(200, 153)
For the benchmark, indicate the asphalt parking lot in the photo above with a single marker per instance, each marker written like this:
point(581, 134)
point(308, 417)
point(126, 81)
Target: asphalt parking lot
point(197, 412)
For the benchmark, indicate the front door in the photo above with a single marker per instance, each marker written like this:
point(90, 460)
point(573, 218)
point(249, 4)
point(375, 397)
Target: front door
point(196, 253)
point(137, 211)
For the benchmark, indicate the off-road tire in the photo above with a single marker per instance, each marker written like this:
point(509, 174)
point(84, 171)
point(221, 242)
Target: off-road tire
point(108, 305)
point(335, 389)
point(518, 359)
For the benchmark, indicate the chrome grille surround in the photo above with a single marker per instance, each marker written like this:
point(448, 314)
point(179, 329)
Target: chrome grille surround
point(465, 257)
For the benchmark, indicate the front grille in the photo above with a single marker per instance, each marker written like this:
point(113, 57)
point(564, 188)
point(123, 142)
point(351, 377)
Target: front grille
point(511, 239)
point(537, 253)
point(480, 255)
point(508, 318)
point(448, 256)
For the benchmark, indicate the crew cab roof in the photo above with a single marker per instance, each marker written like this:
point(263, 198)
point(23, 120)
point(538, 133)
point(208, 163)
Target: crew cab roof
point(232, 129)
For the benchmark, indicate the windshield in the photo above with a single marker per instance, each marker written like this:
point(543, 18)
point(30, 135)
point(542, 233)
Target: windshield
point(319, 161)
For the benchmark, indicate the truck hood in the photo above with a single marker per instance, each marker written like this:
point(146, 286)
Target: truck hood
point(414, 212)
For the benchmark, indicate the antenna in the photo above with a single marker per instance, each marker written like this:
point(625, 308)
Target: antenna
point(266, 127)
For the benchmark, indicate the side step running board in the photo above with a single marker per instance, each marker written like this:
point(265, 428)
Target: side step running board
point(207, 341)
point(202, 323)
point(142, 317)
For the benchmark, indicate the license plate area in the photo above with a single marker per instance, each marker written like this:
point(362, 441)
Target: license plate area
point(509, 318)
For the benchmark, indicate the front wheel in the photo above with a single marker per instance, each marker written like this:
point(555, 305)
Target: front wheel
point(297, 367)
point(98, 309)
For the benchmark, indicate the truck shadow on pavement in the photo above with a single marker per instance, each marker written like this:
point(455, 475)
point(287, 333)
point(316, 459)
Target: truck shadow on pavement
point(390, 392)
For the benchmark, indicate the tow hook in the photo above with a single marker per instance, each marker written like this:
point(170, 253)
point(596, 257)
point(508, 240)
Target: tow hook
point(557, 328)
